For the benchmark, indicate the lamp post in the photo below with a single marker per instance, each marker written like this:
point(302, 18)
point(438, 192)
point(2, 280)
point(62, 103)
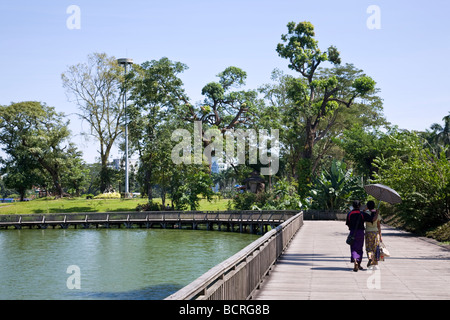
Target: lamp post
point(125, 62)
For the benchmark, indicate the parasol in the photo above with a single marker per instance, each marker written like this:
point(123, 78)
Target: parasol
point(383, 193)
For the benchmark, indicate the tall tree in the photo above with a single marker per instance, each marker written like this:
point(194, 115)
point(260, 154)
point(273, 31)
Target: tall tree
point(224, 107)
point(36, 136)
point(96, 88)
point(156, 92)
point(317, 95)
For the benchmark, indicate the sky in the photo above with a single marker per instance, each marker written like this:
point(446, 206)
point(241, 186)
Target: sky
point(403, 45)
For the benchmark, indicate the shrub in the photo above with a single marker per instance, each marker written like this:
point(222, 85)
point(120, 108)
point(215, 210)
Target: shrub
point(244, 201)
point(282, 197)
point(150, 206)
point(423, 181)
point(336, 187)
point(108, 195)
point(441, 233)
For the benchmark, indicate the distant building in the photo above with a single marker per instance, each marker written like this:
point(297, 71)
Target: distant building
point(216, 167)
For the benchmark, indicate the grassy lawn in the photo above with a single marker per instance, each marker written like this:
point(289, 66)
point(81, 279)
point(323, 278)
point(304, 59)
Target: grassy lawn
point(93, 205)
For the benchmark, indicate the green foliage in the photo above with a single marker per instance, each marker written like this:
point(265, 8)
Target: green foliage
point(157, 92)
point(188, 183)
point(364, 85)
point(423, 181)
point(302, 50)
point(150, 206)
point(336, 188)
point(441, 233)
point(318, 105)
point(97, 88)
point(438, 139)
point(244, 201)
point(304, 177)
point(283, 196)
point(224, 107)
point(108, 195)
point(36, 139)
point(362, 146)
point(232, 76)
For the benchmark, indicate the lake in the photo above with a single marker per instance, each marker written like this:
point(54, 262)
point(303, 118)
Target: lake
point(125, 264)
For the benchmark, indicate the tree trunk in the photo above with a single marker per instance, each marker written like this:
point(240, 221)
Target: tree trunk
point(148, 184)
point(304, 172)
point(104, 174)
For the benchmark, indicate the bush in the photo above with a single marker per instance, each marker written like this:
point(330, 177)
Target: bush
point(150, 206)
point(283, 197)
point(441, 233)
point(108, 195)
point(423, 181)
point(244, 201)
point(336, 187)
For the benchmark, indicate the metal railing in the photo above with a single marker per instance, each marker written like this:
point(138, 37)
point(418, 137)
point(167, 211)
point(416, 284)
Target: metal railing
point(239, 276)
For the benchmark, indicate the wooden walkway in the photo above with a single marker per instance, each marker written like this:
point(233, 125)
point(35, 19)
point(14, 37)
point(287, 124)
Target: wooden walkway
point(241, 221)
point(316, 265)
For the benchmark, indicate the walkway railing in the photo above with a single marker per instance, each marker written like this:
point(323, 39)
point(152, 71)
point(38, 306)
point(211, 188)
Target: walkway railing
point(255, 221)
point(239, 276)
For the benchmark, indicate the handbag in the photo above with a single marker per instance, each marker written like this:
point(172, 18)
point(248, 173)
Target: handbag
point(350, 239)
point(383, 250)
point(378, 256)
point(351, 236)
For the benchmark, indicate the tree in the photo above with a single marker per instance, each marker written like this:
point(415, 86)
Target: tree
point(156, 91)
point(363, 146)
point(439, 138)
point(318, 95)
point(96, 87)
point(188, 182)
point(21, 173)
point(423, 181)
point(75, 172)
point(35, 137)
point(224, 108)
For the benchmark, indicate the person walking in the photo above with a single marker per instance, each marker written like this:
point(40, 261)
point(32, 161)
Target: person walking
point(373, 234)
point(355, 222)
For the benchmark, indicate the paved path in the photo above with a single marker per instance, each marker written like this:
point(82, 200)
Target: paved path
point(317, 265)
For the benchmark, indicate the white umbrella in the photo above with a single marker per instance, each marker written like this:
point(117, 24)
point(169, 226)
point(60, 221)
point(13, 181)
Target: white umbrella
point(383, 193)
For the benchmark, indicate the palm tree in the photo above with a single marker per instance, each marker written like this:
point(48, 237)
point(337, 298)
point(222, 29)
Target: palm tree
point(440, 136)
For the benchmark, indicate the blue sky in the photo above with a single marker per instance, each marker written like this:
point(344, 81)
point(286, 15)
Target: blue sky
point(408, 57)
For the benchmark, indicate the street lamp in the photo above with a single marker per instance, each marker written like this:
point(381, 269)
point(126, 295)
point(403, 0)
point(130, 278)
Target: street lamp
point(125, 62)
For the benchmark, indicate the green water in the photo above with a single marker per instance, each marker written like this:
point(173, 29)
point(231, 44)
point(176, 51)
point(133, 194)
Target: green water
point(112, 263)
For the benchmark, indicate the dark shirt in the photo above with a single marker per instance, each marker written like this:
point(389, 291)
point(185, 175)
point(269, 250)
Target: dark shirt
point(352, 219)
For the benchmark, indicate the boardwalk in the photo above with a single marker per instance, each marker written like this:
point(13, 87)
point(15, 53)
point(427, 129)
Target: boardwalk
point(316, 265)
point(242, 221)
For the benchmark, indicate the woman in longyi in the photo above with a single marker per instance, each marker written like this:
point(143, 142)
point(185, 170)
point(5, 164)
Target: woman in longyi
point(355, 222)
point(373, 235)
